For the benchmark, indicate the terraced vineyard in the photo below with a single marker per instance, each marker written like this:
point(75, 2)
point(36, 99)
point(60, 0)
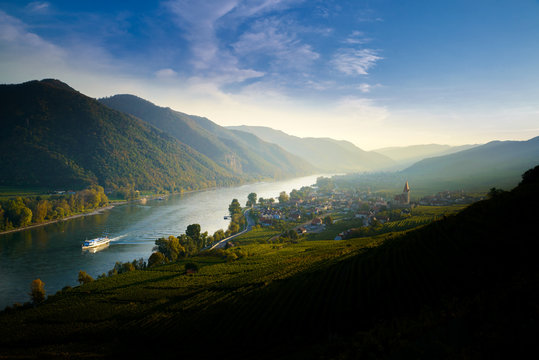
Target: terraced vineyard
point(465, 286)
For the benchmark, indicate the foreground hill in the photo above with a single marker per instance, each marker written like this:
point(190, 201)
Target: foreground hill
point(243, 154)
point(327, 154)
point(463, 287)
point(497, 163)
point(54, 136)
point(405, 156)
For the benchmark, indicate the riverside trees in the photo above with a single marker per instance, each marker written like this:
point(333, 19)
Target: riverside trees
point(20, 212)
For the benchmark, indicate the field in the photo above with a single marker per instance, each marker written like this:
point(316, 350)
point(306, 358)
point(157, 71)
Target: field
point(10, 191)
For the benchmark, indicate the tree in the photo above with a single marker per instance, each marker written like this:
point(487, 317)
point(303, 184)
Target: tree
point(292, 234)
point(251, 199)
point(193, 231)
point(283, 197)
point(234, 207)
point(234, 227)
point(156, 258)
point(295, 195)
point(218, 235)
point(37, 291)
point(84, 278)
point(170, 248)
point(328, 220)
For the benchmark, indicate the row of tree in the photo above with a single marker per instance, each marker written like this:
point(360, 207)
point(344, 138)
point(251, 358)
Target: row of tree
point(20, 212)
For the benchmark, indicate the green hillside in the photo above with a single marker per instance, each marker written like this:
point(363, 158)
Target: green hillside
point(325, 153)
point(53, 136)
point(241, 154)
point(462, 287)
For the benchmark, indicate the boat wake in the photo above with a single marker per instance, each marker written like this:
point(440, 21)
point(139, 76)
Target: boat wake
point(118, 237)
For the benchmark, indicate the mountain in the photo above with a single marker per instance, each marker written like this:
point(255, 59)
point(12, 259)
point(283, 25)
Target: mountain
point(241, 153)
point(54, 136)
point(408, 155)
point(497, 163)
point(327, 154)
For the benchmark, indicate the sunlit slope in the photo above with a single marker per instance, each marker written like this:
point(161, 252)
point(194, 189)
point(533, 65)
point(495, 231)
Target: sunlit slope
point(56, 137)
point(241, 154)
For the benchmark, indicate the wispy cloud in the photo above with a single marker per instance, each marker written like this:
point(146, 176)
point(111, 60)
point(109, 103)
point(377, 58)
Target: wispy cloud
point(362, 109)
point(355, 62)
point(18, 43)
point(201, 23)
point(357, 38)
point(166, 74)
point(38, 6)
point(268, 38)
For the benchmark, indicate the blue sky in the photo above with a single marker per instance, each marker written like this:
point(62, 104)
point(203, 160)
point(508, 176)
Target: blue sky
point(376, 73)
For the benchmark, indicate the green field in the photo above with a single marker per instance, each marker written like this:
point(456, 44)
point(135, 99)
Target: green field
point(11, 191)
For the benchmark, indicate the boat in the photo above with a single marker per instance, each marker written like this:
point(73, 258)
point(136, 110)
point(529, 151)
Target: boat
point(95, 243)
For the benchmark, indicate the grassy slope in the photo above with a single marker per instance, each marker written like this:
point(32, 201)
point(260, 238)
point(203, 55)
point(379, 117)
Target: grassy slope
point(462, 287)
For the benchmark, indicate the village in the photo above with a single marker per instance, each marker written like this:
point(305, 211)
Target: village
point(311, 210)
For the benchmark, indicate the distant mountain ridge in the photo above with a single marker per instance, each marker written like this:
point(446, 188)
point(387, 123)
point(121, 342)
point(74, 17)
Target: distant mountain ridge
point(326, 154)
point(498, 163)
point(408, 155)
point(241, 153)
point(54, 136)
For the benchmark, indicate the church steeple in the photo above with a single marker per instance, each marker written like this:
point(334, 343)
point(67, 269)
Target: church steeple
point(406, 187)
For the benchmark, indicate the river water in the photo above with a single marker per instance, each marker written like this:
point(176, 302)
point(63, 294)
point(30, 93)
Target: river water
point(53, 252)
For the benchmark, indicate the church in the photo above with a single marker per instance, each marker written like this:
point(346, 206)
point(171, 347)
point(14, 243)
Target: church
point(404, 198)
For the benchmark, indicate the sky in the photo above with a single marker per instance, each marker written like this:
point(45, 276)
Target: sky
point(377, 73)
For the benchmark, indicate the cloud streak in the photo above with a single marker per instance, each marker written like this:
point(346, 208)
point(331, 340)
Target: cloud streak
point(355, 62)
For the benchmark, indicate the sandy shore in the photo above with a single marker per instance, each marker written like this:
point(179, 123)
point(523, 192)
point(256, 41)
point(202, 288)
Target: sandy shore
point(93, 212)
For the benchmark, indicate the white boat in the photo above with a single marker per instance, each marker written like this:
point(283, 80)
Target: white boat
point(95, 243)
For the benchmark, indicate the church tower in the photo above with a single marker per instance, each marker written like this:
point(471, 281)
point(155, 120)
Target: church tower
point(406, 193)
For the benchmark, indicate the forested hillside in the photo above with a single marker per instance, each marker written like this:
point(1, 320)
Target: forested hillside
point(242, 154)
point(53, 136)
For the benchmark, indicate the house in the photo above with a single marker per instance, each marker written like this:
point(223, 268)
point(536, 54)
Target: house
point(301, 230)
point(316, 222)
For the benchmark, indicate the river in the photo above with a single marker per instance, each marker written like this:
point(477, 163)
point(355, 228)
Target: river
point(53, 252)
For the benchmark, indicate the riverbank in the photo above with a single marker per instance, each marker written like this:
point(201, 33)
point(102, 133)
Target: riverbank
point(71, 217)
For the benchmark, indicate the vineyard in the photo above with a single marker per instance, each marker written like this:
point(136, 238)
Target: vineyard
point(454, 288)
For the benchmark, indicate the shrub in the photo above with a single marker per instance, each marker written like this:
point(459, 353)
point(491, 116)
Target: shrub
point(84, 278)
point(156, 258)
point(37, 291)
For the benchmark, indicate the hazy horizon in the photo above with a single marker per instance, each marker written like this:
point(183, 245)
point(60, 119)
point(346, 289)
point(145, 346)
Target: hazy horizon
point(377, 74)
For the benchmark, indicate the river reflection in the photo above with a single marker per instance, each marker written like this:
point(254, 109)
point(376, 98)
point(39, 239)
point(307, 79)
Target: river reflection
point(53, 252)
